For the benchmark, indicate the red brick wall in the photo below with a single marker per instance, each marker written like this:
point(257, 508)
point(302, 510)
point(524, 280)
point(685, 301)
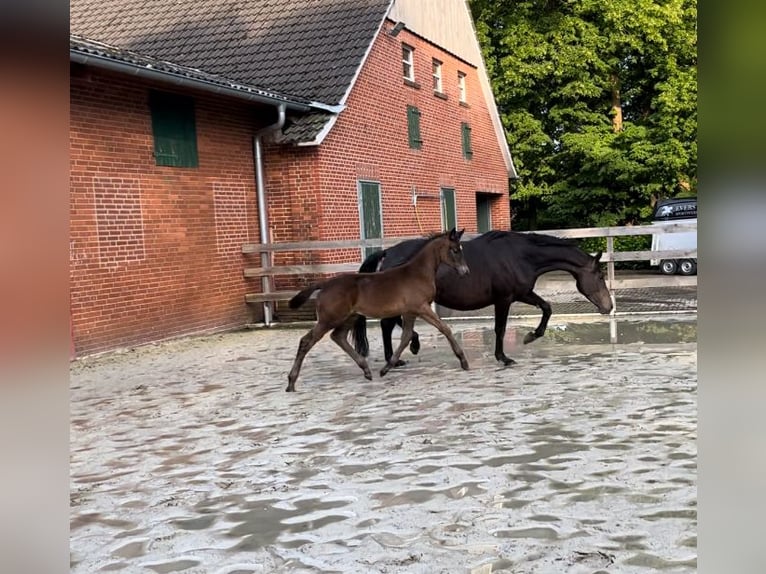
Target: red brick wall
point(155, 252)
point(369, 141)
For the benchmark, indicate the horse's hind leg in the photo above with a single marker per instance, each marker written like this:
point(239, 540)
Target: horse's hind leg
point(533, 298)
point(307, 341)
point(501, 320)
point(393, 361)
point(340, 336)
point(428, 315)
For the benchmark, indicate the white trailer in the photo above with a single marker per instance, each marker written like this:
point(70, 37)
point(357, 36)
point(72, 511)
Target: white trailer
point(675, 211)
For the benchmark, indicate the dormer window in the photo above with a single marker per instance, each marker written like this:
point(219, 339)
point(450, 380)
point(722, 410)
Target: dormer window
point(408, 62)
point(437, 76)
point(461, 86)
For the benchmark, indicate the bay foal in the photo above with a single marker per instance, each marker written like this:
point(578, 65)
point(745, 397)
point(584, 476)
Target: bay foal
point(407, 290)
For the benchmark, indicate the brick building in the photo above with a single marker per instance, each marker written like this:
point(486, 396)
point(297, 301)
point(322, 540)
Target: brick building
point(196, 129)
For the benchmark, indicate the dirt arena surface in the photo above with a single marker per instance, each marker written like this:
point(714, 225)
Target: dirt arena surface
point(188, 456)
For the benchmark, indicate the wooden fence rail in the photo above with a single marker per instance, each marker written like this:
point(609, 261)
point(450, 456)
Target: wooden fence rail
point(609, 256)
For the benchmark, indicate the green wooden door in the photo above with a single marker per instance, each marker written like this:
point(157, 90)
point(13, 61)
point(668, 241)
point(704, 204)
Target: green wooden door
point(449, 214)
point(483, 210)
point(370, 214)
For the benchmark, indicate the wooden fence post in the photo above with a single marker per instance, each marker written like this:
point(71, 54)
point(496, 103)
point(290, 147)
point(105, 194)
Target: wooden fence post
point(610, 277)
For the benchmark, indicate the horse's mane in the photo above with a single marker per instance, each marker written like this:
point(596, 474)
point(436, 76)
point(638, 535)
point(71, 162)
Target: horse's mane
point(538, 239)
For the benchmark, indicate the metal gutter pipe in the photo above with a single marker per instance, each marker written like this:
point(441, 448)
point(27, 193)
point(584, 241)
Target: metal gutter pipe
point(263, 215)
point(180, 80)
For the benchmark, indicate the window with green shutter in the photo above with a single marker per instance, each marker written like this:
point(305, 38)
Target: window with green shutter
point(413, 127)
point(466, 138)
point(174, 129)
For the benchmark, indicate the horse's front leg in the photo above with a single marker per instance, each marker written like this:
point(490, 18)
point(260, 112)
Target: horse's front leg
point(407, 330)
point(533, 298)
point(429, 316)
point(501, 320)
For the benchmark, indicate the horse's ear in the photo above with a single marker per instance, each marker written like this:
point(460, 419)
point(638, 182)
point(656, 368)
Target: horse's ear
point(453, 235)
point(460, 233)
point(596, 259)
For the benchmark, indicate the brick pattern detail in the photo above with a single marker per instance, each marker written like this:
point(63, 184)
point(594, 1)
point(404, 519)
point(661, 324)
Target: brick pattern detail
point(119, 220)
point(231, 226)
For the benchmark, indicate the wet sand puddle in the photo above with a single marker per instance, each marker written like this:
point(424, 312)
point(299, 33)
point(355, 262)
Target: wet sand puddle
point(189, 457)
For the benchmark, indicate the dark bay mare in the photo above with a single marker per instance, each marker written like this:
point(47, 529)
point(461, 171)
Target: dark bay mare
point(406, 290)
point(504, 268)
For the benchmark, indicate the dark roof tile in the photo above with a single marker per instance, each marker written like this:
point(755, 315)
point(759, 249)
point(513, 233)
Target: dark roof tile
point(307, 49)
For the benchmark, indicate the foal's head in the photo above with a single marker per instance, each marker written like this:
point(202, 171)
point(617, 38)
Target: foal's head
point(590, 282)
point(451, 252)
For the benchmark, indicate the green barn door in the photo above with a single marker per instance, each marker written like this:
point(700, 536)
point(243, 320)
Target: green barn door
point(449, 214)
point(370, 214)
point(483, 212)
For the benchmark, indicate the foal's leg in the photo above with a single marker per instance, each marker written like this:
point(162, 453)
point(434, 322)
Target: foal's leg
point(393, 361)
point(501, 320)
point(307, 341)
point(428, 315)
point(533, 298)
point(340, 336)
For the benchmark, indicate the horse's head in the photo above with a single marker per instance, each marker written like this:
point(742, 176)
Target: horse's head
point(590, 282)
point(452, 253)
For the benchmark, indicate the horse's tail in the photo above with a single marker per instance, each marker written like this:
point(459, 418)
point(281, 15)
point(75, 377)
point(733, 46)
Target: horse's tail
point(370, 265)
point(359, 332)
point(359, 336)
point(303, 296)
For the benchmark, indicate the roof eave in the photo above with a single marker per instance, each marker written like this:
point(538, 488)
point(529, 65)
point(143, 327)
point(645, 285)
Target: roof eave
point(177, 79)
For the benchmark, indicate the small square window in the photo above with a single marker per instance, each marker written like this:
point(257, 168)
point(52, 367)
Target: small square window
point(437, 75)
point(461, 86)
point(408, 62)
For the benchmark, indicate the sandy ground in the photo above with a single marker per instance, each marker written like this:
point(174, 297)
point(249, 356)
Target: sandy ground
point(188, 456)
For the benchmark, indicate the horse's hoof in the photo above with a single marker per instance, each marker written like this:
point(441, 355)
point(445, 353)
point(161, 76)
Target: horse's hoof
point(384, 370)
point(400, 363)
point(368, 375)
point(464, 364)
point(290, 389)
point(415, 346)
point(507, 361)
point(529, 337)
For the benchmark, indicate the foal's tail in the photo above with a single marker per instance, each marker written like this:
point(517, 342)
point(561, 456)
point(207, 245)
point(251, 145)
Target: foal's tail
point(303, 296)
point(359, 332)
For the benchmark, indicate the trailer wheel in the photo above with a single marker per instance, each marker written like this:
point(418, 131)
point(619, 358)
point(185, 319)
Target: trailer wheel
point(668, 266)
point(687, 267)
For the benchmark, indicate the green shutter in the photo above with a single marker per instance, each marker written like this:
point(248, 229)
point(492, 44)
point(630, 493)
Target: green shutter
point(413, 127)
point(369, 206)
point(174, 129)
point(449, 216)
point(466, 139)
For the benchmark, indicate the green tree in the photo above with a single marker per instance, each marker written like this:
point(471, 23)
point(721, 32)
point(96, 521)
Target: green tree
point(599, 101)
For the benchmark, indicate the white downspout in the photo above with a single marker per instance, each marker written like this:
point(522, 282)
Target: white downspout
point(263, 215)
